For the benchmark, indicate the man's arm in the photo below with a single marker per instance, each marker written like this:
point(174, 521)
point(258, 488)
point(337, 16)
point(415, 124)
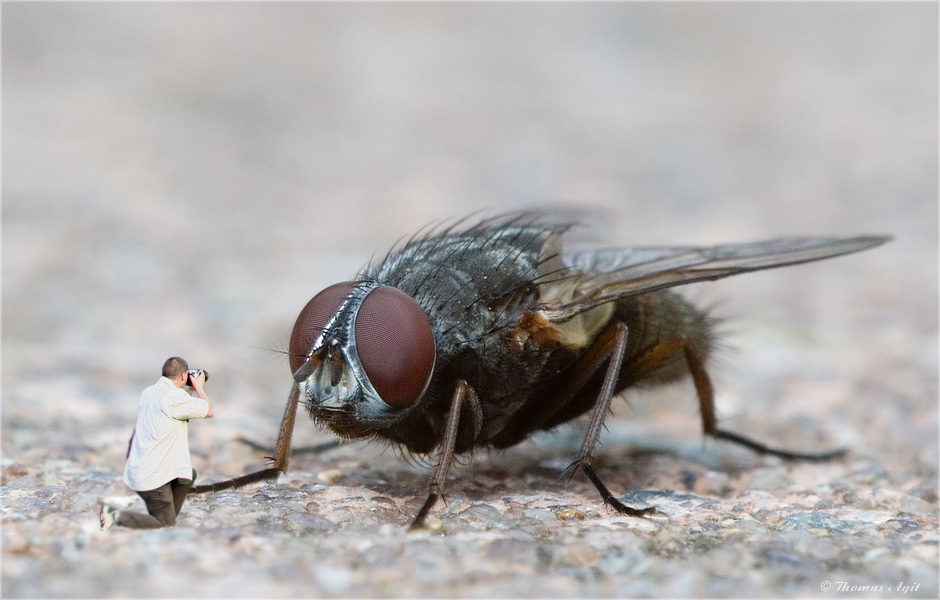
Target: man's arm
point(198, 383)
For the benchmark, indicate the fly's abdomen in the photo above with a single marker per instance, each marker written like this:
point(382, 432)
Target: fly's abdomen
point(657, 317)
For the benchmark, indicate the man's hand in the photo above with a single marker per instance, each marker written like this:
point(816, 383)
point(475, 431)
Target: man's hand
point(199, 381)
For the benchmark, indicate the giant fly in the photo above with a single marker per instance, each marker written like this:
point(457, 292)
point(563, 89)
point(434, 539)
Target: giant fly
point(476, 336)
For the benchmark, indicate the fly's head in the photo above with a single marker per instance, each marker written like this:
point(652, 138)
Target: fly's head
point(362, 354)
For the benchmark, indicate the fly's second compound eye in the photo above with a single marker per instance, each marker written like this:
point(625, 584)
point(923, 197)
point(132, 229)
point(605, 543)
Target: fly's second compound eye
point(395, 345)
point(313, 318)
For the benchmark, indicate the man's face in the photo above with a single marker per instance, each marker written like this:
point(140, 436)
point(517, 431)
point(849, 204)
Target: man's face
point(180, 380)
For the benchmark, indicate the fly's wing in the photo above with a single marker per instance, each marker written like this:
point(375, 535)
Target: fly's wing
point(610, 274)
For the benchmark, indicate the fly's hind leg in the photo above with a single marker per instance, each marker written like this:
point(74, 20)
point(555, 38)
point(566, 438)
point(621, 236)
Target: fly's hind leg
point(706, 397)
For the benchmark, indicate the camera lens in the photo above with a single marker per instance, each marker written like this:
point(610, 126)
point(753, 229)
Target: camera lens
point(195, 373)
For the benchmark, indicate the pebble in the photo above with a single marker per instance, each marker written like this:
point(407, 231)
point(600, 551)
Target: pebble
point(333, 580)
point(539, 514)
point(711, 483)
point(434, 524)
point(307, 523)
point(82, 539)
point(914, 505)
point(330, 476)
point(583, 555)
point(481, 512)
point(814, 520)
point(569, 513)
point(513, 550)
point(339, 515)
point(14, 542)
point(770, 478)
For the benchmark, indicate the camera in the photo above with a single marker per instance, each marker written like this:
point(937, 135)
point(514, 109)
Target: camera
point(195, 373)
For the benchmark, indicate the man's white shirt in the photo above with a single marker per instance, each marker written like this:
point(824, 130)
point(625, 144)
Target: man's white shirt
point(160, 450)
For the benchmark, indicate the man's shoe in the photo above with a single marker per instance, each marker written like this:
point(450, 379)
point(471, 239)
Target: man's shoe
point(107, 517)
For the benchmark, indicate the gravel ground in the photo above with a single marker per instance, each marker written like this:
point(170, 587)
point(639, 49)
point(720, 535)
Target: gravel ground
point(179, 179)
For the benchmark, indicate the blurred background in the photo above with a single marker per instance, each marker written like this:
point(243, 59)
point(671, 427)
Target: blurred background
point(179, 179)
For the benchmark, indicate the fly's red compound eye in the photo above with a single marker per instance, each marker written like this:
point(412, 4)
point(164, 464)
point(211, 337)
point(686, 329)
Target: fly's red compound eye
point(313, 318)
point(395, 345)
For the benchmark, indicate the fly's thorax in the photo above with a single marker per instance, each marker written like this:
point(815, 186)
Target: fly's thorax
point(362, 354)
point(469, 282)
point(559, 285)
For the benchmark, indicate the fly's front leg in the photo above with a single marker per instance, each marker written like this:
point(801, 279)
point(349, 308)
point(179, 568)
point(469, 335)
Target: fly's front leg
point(706, 397)
point(278, 461)
point(462, 393)
point(609, 347)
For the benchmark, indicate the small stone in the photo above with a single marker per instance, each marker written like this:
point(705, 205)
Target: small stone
point(902, 525)
point(14, 471)
point(334, 580)
point(434, 524)
point(814, 520)
point(339, 515)
point(511, 549)
point(925, 491)
point(14, 543)
point(824, 548)
point(711, 483)
point(540, 514)
point(914, 505)
point(765, 515)
point(82, 539)
point(481, 512)
point(330, 476)
point(582, 555)
point(569, 513)
point(769, 479)
point(748, 526)
point(56, 547)
point(304, 522)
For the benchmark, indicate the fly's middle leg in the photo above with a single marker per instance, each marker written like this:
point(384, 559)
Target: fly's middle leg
point(609, 348)
point(315, 449)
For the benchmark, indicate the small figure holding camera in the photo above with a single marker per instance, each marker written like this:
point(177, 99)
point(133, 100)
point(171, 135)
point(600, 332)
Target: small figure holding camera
point(158, 465)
